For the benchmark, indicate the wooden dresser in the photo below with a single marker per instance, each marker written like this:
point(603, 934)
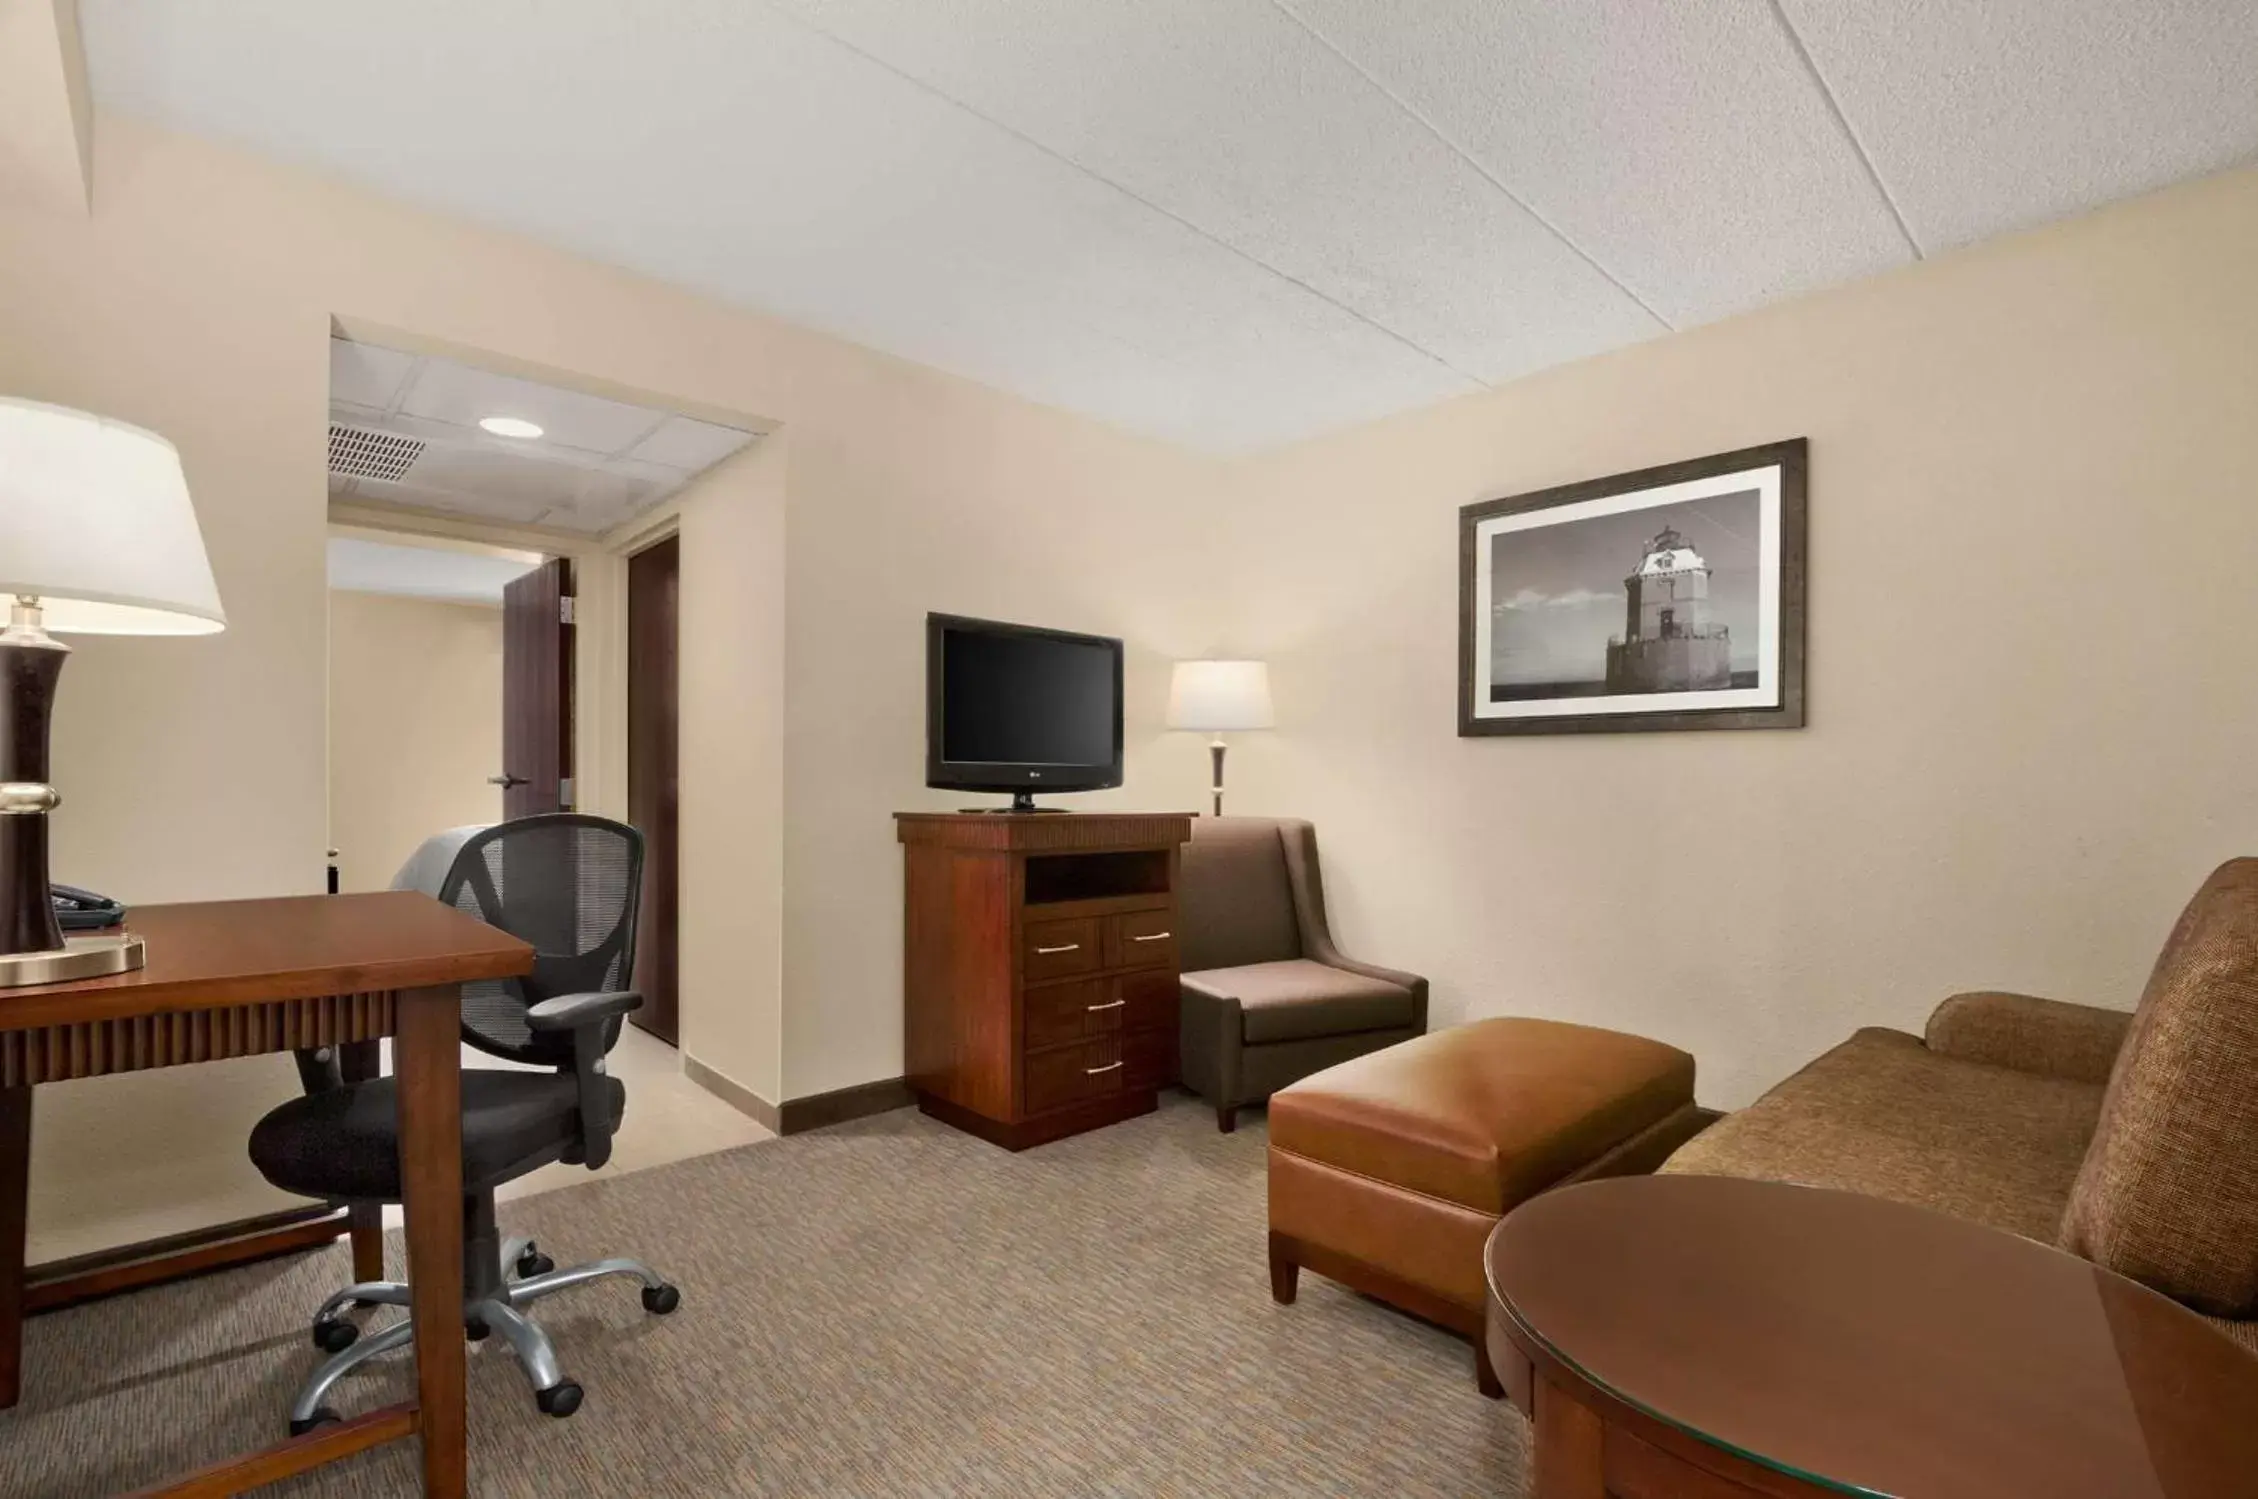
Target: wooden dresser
point(1039, 981)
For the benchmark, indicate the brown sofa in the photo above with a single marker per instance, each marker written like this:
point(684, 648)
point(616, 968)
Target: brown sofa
point(2129, 1139)
point(1267, 998)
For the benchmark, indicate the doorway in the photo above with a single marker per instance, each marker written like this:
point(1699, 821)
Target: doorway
point(654, 579)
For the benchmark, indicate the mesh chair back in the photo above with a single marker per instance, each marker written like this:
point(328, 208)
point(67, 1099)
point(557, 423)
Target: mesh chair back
point(568, 884)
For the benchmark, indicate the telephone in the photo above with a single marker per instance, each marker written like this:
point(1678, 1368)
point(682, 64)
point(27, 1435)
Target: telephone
point(79, 910)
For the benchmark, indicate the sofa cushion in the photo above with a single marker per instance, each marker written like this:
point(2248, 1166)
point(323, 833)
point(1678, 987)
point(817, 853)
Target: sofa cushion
point(2169, 1191)
point(1884, 1115)
point(1484, 1114)
point(1296, 999)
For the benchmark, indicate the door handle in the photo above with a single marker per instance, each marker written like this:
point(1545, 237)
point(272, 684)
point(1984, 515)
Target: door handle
point(505, 780)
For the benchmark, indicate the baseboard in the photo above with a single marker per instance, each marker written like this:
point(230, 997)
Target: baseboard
point(796, 1116)
point(732, 1092)
point(842, 1104)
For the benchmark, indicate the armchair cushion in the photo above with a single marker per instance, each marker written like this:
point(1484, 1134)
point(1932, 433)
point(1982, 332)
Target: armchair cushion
point(1232, 890)
point(1294, 999)
point(2042, 1036)
point(2168, 1192)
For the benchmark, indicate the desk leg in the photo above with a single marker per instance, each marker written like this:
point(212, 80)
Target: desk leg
point(427, 1059)
point(15, 1183)
point(359, 1061)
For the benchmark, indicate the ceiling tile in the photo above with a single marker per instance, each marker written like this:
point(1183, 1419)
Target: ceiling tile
point(744, 155)
point(1987, 117)
point(365, 375)
point(488, 507)
point(1228, 115)
point(457, 394)
point(1684, 147)
point(685, 443)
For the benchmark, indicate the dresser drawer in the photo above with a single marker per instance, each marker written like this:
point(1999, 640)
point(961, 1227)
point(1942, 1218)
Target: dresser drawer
point(1141, 939)
point(1076, 1011)
point(1072, 1074)
point(1059, 949)
point(1148, 1059)
point(1148, 1001)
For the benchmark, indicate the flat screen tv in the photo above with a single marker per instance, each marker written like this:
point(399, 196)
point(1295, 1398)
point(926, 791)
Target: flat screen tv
point(1014, 708)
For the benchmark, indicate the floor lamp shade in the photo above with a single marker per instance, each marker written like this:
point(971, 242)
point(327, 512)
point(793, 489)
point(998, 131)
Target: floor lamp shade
point(97, 536)
point(96, 524)
point(1219, 697)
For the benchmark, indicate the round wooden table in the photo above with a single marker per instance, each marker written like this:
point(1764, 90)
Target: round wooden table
point(1709, 1338)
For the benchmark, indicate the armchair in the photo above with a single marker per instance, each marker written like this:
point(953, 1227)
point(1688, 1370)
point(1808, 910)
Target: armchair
point(1267, 996)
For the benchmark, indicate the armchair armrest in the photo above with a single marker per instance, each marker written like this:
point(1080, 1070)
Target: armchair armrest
point(583, 1015)
point(1308, 884)
point(2027, 1034)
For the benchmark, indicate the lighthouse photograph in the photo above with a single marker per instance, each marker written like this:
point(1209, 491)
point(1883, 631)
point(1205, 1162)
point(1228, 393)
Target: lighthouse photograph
point(1668, 598)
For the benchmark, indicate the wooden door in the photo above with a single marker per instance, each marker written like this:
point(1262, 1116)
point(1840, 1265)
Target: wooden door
point(537, 630)
point(654, 581)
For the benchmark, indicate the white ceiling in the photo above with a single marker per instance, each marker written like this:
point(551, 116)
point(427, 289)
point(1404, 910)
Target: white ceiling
point(597, 463)
point(422, 572)
point(1229, 223)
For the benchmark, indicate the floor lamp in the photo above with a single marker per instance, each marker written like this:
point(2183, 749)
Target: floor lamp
point(1219, 697)
point(97, 537)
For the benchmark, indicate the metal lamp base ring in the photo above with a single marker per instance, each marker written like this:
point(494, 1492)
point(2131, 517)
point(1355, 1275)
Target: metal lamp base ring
point(94, 955)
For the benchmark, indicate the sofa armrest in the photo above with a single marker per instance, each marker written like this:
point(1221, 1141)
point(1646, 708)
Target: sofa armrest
point(2027, 1034)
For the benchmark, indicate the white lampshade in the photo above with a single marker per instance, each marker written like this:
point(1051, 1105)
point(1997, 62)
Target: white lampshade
point(1219, 695)
point(96, 524)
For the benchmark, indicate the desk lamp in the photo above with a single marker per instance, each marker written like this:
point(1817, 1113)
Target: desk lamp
point(97, 537)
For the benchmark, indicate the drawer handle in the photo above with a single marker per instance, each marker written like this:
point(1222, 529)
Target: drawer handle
point(1117, 1004)
point(1152, 937)
point(1108, 1067)
point(1044, 952)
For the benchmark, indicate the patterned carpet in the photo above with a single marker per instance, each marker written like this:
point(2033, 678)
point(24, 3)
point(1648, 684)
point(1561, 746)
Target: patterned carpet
point(885, 1308)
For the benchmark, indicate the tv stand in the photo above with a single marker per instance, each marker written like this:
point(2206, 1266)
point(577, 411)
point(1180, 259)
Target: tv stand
point(1022, 803)
point(1039, 968)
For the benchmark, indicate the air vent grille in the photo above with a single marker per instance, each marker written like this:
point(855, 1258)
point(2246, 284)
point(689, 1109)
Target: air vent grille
point(358, 453)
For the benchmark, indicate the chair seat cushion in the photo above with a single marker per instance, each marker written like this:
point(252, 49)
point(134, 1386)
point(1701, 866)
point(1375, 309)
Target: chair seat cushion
point(1884, 1115)
point(345, 1142)
point(1296, 999)
point(1485, 1114)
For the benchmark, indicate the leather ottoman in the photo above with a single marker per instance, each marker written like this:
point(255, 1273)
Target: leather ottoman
point(1388, 1172)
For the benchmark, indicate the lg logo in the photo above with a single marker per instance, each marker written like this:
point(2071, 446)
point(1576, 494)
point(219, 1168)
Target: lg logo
point(1034, 775)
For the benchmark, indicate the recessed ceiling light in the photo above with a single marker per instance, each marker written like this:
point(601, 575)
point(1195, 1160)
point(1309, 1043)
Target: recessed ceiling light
point(510, 426)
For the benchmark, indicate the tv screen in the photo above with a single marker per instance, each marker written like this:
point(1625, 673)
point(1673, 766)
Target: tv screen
point(1011, 707)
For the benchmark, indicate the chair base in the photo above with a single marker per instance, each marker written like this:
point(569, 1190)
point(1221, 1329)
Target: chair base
point(501, 1281)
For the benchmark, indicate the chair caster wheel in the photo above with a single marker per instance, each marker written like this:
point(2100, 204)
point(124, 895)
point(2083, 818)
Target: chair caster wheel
point(533, 1262)
point(560, 1399)
point(334, 1335)
point(475, 1330)
point(661, 1299)
point(321, 1417)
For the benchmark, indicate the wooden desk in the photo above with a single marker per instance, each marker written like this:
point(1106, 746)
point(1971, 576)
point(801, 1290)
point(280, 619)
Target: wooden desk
point(238, 978)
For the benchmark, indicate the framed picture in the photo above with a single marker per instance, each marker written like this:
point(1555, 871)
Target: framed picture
point(1670, 598)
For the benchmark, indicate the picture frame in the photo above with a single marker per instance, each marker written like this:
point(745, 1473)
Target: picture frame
point(1666, 598)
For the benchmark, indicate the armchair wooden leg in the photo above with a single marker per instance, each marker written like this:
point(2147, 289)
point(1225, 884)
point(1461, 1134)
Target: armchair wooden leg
point(1285, 1272)
point(1226, 1118)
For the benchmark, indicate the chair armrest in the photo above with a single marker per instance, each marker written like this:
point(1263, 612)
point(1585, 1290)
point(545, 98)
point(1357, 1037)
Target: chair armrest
point(1307, 882)
point(583, 1015)
point(564, 1012)
point(1211, 1034)
point(2024, 1033)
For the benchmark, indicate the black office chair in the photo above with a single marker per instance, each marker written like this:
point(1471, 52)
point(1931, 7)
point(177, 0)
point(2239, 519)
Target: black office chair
point(567, 884)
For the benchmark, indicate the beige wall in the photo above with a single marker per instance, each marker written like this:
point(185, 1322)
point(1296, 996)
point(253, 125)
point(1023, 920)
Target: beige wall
point(415, 727)
point(197, 300)
point(2033, 691)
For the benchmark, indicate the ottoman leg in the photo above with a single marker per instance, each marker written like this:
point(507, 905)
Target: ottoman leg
point(1285, 1273)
